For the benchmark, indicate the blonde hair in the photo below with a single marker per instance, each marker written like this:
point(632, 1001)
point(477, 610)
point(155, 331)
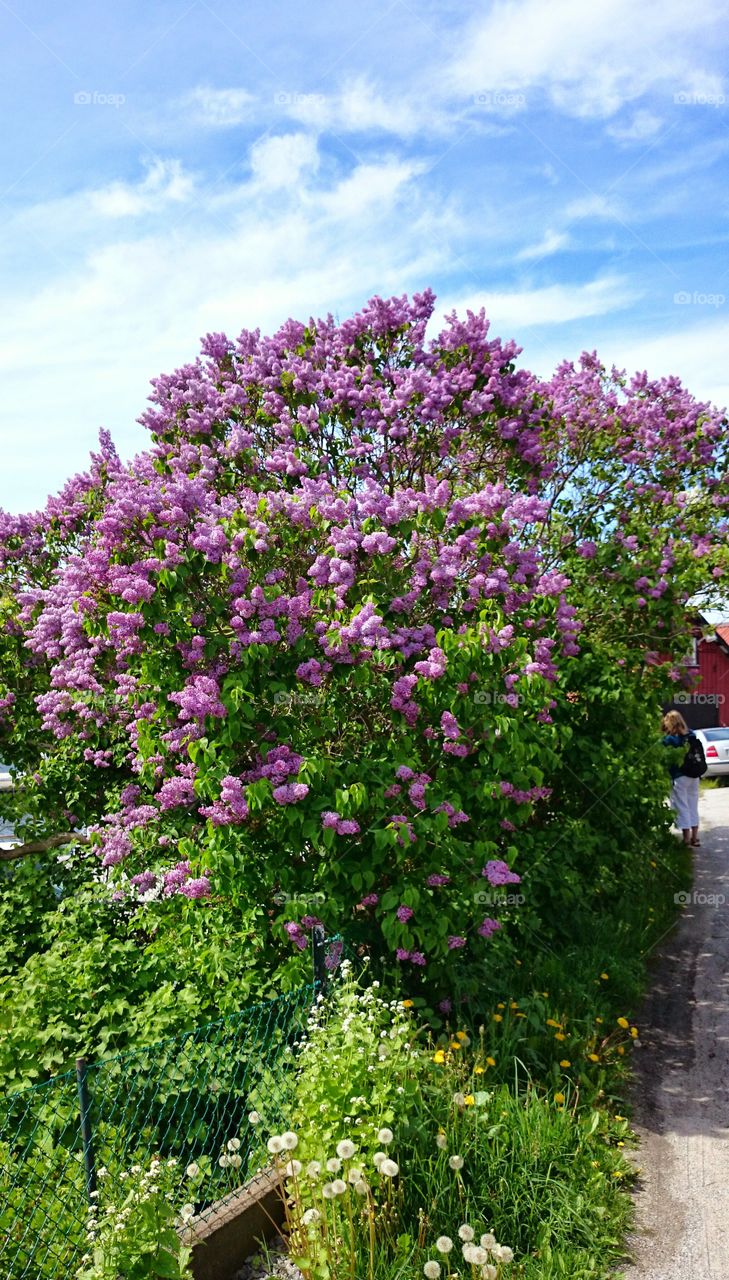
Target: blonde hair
point(673, 722)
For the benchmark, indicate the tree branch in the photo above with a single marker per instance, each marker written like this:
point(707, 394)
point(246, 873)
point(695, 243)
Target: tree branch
point(42, 846)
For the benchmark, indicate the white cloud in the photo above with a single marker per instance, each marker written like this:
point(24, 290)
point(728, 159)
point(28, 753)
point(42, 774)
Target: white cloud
point(512, 311)
point(130, 307)
point(551, 242)
point(643, 126)
point(592, 59)
point(165, 183)
point(357, 107)
point(281, 161)
point(219, 108)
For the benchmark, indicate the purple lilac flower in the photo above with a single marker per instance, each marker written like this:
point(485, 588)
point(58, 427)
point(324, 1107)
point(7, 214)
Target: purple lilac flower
point(199, 888)
point(145, 881)
point(333, 956)
point(445, 1006)
point(487, 927)
point(370, 900)
point(435, 881)
point(498, 873)
point(404, 914)
point(402, 954)
point(290, 792)
point(311, 922)
point(455, 942)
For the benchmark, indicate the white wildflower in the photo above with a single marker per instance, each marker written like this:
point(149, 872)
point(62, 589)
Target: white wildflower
point(455, 1162)
point(339, 1186)
point(289, 1141)
point(313, 1169)
point(346, 1149)
point(431, 1270)
point(389, 1168)
point(192, 1170)
point(441, 1141)
point(466, 1232)
point(385, 1136)
point(311, 1215)
point(334, 1165)
point(444, 1244)
point(233, 1144)
point(254, 1118)
point(293, 1168)
point(275, 1145)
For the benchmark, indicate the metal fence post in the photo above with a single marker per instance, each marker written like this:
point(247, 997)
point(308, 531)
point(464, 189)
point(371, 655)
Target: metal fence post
point(320, 971)
point(84, 1108)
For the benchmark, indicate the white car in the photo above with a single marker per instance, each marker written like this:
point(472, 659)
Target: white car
point(6, 782)
point(716, 749)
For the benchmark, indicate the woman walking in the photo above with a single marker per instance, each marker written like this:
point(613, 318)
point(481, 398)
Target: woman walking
point(685, 790)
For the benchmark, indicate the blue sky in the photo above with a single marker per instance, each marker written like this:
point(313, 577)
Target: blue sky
point(174, 168)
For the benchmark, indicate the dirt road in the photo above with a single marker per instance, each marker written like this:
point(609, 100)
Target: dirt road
point(682, 1088)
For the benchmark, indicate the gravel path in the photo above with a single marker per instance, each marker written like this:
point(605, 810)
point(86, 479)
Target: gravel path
point(682, 1087)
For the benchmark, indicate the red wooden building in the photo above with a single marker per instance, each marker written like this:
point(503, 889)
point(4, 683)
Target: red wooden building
point(707, 704)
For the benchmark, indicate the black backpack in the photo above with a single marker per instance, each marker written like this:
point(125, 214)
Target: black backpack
point(694, 764)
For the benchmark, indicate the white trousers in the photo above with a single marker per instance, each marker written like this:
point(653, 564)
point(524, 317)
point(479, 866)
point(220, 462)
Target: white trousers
point(685, 801)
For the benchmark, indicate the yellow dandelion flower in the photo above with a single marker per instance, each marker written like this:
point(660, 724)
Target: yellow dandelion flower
point(634, 1032)
point(518, 962)
point(598, 1019)
point(469, 1100)
point(455, 1044)
point(623, 1022)
point(461, 1035)
point(593, 1057)
point(604, 976)
point(560, 1035)
point(407, 1004)
point(490, 1062)
point(439, 1057)
point(513, 1004)
point(545, 994)
point(520, 1015)
point(565, 1062)
point(559, 1097)
point(501, 1005)
point(478, 1071)
point(498, 1017)
point(621, 1050)
point(551, 1023)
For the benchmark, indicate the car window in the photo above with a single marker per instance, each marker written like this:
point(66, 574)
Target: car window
point(711, 735)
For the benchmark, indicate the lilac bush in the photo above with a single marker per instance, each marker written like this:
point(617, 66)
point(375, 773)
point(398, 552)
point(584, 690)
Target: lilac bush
point(355, 572)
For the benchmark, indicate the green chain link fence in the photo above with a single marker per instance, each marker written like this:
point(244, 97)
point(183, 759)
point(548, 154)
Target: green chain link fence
point(183, 1097)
